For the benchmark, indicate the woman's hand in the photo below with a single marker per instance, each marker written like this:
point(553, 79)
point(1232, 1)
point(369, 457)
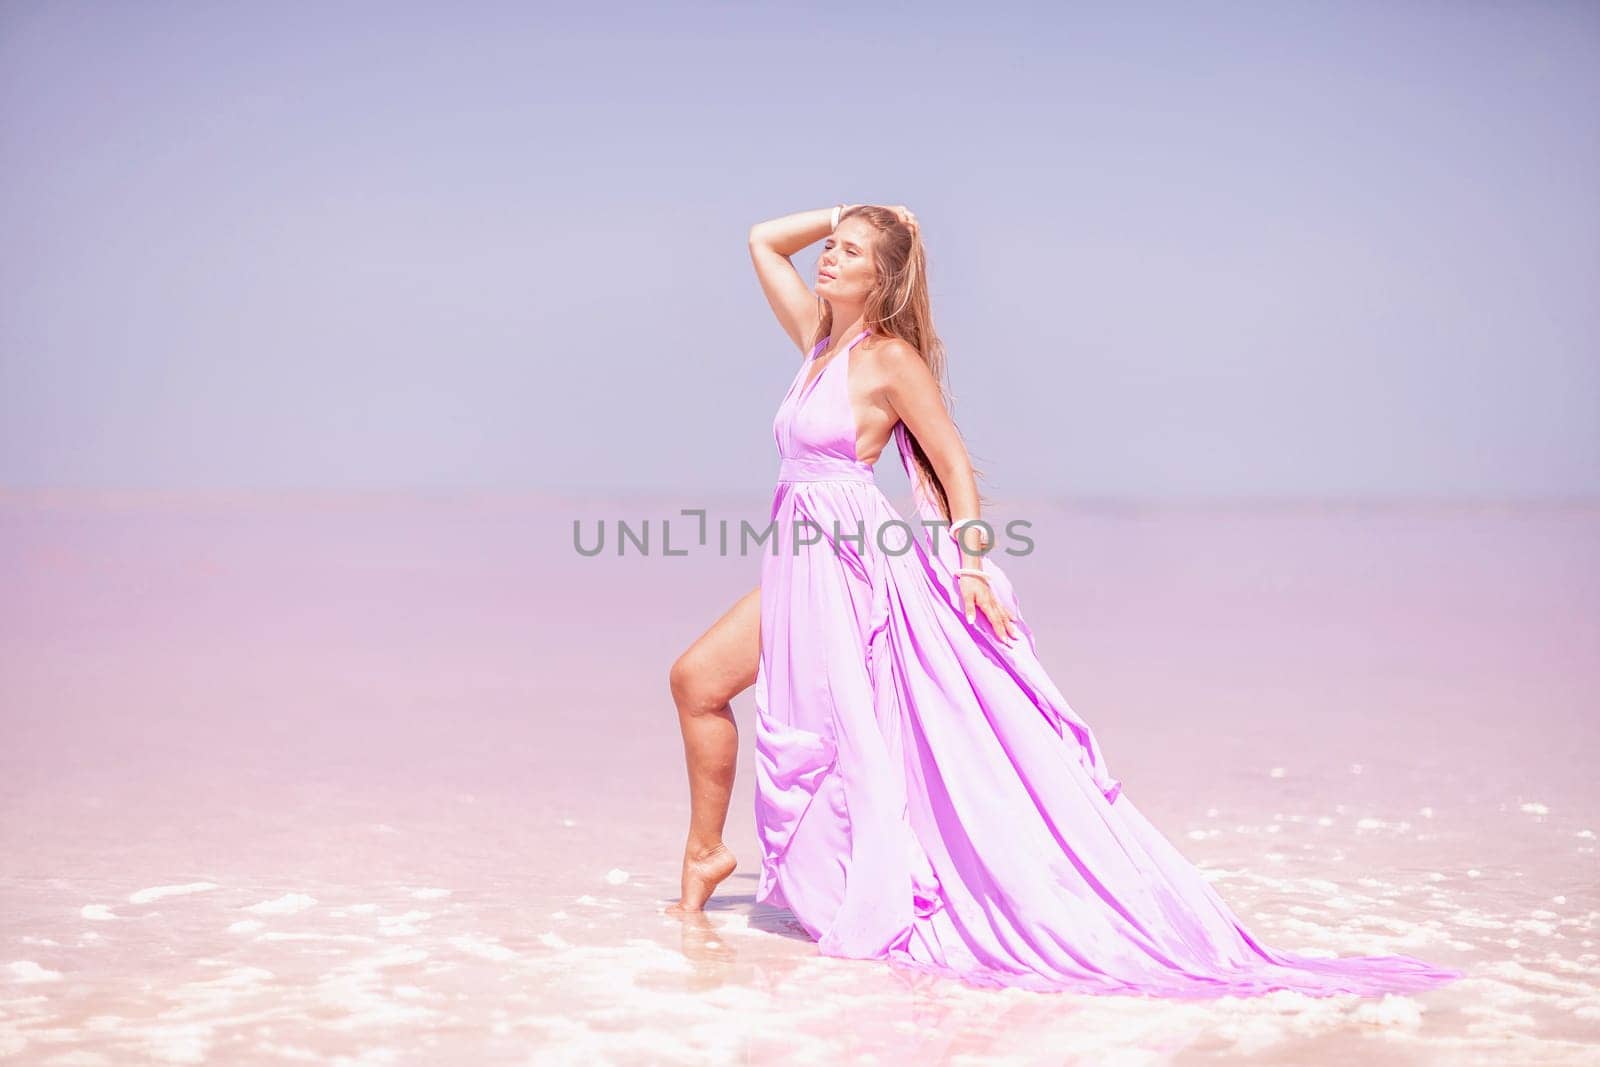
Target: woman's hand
point(905, 213)
point(906, 216)
point(975, 593)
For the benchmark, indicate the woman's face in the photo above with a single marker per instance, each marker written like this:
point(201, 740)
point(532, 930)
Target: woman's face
point(845, 270)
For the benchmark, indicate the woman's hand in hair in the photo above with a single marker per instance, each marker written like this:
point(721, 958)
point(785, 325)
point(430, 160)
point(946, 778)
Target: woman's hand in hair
point(907, 216)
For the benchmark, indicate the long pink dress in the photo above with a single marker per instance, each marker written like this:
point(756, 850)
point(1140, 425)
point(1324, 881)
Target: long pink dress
point(925, 796)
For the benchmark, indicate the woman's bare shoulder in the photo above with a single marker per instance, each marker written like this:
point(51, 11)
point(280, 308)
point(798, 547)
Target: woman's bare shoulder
point(893, 355)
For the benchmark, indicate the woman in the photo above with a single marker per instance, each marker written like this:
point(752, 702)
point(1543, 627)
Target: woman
point(924, 794)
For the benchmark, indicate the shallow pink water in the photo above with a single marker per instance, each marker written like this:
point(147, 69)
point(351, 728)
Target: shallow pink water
point(398, 779)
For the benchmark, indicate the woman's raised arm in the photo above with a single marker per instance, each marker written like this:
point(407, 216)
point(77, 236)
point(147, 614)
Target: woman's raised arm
point(771, 244)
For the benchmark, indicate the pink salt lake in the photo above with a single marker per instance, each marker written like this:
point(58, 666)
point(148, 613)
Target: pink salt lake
point(397, 779)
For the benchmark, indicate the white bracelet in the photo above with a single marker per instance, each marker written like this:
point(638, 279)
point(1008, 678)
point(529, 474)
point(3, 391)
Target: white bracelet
point(983, 531)
point(972, 572)
point(836, 209)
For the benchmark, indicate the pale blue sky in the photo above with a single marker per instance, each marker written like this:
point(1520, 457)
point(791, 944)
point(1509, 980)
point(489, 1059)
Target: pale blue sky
point(1256, 249)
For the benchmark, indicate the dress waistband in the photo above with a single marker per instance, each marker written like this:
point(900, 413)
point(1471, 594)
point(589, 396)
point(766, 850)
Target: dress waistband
point(824, 469)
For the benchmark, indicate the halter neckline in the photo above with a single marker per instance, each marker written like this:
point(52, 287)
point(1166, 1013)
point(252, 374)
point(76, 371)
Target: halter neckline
point(807, 386)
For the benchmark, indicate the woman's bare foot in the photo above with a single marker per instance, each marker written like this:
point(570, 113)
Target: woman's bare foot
point(703, 869)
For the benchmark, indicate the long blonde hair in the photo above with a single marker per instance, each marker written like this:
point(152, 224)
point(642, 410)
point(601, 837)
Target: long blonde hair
point(898, 306)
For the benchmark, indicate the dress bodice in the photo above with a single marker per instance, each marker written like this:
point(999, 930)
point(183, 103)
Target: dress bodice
point(815, 430)
point(815, 427)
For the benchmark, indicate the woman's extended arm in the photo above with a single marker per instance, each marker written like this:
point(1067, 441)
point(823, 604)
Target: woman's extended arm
point(911, 389)
point(771, 244)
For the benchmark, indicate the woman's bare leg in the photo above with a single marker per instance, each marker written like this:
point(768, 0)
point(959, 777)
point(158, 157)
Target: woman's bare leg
point(711, 672)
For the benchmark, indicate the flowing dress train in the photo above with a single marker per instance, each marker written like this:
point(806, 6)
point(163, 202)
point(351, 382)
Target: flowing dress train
point(925, 795)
